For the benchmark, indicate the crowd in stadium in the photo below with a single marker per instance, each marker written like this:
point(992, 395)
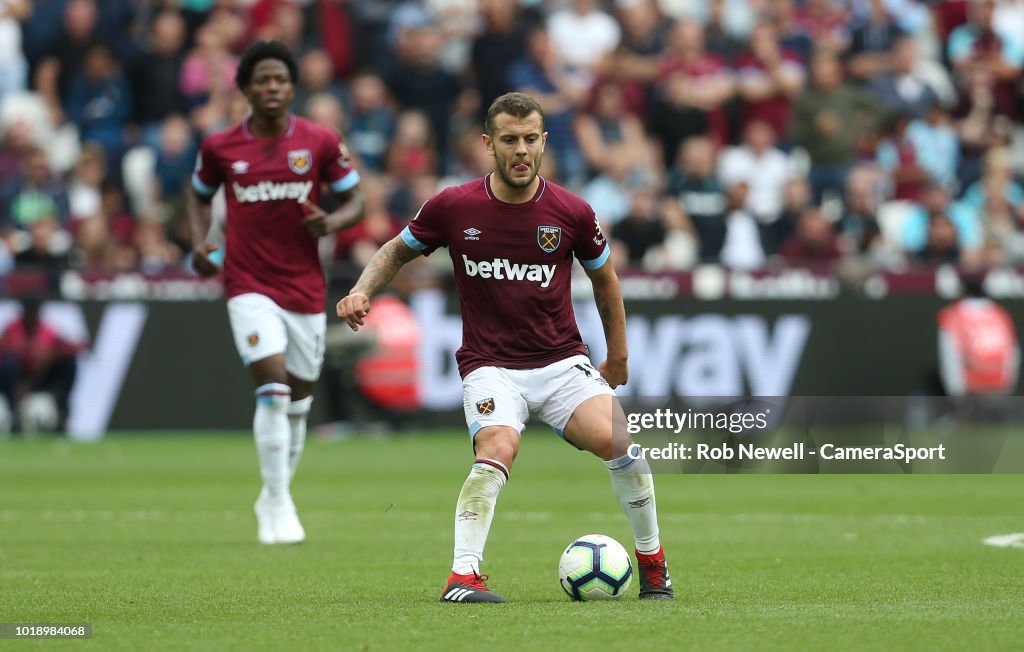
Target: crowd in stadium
point(752, 133)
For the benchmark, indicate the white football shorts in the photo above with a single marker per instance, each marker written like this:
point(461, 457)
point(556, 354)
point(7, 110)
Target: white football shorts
point(495, 396)
point(262, 328)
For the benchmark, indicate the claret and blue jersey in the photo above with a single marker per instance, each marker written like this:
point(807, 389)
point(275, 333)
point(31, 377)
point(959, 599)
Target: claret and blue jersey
point(267, 180)
point(513, 266)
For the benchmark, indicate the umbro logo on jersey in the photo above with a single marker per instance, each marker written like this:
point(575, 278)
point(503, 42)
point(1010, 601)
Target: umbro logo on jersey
point(502, 269)
point(240, 167)
point(472, 233)
point(270, 191)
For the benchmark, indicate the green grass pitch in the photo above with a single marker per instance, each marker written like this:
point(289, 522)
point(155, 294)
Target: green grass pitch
point(151, 539)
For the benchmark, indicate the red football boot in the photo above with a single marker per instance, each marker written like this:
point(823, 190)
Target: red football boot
point(655, 584)
point(469, 588)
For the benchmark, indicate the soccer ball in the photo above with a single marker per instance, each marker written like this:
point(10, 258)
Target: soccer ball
point(595, 567)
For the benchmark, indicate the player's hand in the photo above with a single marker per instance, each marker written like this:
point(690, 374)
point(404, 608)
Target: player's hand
point(316, 221)
point(353, 308)
point(201, 259)
point(616, 372)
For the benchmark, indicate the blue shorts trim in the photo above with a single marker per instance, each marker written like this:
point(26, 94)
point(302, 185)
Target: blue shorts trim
point(561, 433)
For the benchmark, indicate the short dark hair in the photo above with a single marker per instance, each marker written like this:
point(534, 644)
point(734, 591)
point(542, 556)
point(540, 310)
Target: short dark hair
point(517, 105)
point(259, 51)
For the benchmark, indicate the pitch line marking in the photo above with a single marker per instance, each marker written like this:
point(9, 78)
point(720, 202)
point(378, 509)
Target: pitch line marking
point(1015, 540)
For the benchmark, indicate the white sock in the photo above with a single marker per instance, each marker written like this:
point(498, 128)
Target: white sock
point(270, 429)
point(634, 487)
point(474, 512)
point(298, 412)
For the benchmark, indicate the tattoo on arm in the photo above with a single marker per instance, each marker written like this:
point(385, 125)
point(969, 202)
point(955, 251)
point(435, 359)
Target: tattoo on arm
point(608, 298)
point(383, 266)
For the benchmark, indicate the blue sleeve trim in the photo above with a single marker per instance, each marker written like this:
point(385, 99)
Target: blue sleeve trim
point(409, 239)
point(201, 187)
point(474, 428)
point(347, 182)
point(600, 260)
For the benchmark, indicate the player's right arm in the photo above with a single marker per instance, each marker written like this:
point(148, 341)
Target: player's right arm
point(422, 235)
point(377, 274)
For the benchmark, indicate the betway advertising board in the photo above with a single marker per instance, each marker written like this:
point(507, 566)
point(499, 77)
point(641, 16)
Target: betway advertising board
point(172, 365)
point(160, 355)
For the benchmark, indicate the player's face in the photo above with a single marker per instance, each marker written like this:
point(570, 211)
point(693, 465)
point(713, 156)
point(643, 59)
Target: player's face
point(270, 90)
point(518, 146)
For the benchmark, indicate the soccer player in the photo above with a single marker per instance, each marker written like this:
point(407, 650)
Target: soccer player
point(272, 166)
point(512, 236)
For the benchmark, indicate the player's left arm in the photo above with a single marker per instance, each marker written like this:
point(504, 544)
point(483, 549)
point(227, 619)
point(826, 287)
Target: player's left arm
point(350, 211)
point(337, 170)
point(608, 297)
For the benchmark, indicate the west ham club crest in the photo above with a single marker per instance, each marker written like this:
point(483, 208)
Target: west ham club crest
point(549, 237)
point(485, 406)
point(300, 160)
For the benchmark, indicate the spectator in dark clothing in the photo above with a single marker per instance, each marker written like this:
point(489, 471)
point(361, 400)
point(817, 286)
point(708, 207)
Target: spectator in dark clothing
point(720, 41)
point(41, 29)
point(700, 194)
point(417, 80)
point(942, 246)
point(814, 240)
point(499, 44)
point(644, 34)
point(155, 73)
point(316, 76)
point(373, 121)
point(543, 74)
point(65, 55)
point(901, 90)
point(792, 35)
point(100, 103)
point(858, 226)
point(48, 248)
point(872, 43)
point(642, 230)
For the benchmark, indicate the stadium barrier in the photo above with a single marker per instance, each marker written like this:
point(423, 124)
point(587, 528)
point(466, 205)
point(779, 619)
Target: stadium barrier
point(161, 354)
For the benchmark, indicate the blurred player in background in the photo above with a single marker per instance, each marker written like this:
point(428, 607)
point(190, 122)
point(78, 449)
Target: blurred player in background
point(979, 353)
point(37, 371)
point(272, 166)
point(512, 236)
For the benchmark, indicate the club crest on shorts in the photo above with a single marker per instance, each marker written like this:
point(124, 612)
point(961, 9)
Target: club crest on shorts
point(253, 339)
point(300, 160)
point(485, 406)
point(549, 237)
